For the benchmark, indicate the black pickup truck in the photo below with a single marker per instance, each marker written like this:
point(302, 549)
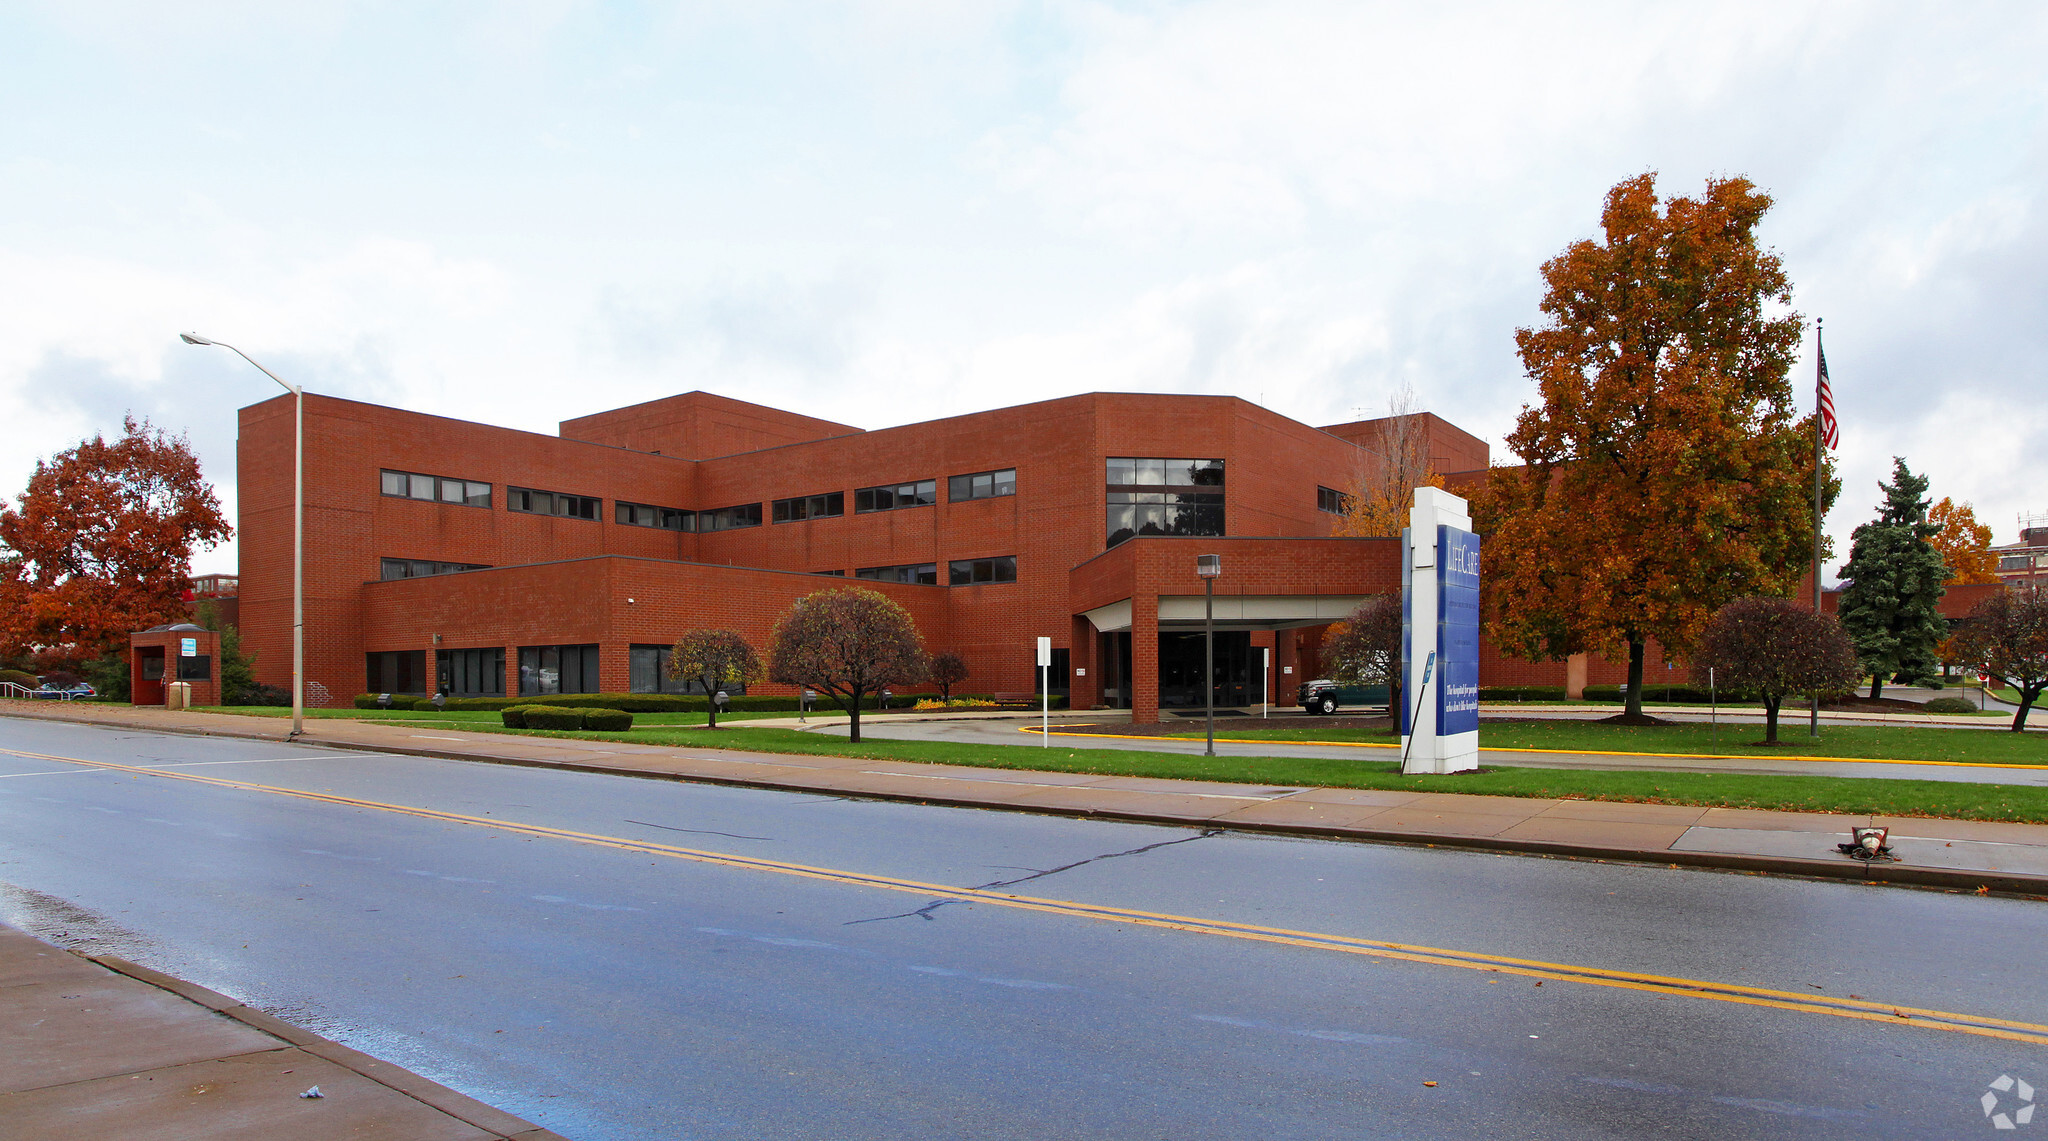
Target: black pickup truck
point(1325, 696)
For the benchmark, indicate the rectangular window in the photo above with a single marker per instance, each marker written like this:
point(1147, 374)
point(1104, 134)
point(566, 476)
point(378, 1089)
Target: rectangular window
point(557, 669)
point(982, 485)
point(922, 493)
point(421, 568)
point(730, 518)
point(396, 671)
point(1331, 500)
point(650, 674)
point(838, 573)
point(964, 571)
point(412, 485)
point(1148, 496)
point(527, 501)
point(809, 507)
point(470, 673)
point(917, 574)
point(644, 515)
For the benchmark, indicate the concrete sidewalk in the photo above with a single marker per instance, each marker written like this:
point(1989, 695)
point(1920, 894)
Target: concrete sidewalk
point(1952, 854)
point(101, 1048)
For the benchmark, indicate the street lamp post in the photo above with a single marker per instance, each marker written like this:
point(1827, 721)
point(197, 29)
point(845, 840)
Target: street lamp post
point(1209, 566)
point(298, 529)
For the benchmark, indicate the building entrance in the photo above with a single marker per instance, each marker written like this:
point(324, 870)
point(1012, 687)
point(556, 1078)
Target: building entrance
point(1180, 670)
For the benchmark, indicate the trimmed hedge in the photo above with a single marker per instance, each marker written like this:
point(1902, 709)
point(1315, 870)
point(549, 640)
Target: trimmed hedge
point(607, 720)
point(1669, 694)
point(398, 701)
point(552, 717)
point(1521, 693)
point(662, 702)
point(1950, 705)
point(20, 678)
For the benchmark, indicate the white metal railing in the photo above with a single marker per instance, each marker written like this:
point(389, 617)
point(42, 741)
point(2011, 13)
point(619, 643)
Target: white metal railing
point(14, 689)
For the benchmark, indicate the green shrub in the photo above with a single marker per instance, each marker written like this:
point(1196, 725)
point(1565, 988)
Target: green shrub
point(608, 720)
point(1521, 693)
point(1667, 694)
point(19, 677)
point(552, 717)
point(1950, 705)
point(514, 716)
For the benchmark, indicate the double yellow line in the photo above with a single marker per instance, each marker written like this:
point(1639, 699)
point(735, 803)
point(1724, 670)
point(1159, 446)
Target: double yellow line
point(1661, 985)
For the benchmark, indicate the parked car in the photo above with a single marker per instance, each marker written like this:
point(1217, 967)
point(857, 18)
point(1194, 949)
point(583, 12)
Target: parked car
point(1325, 696)
point(48, 692)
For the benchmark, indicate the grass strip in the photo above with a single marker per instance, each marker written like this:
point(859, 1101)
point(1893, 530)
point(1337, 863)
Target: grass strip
point(1860, 796)
point(1850, 742)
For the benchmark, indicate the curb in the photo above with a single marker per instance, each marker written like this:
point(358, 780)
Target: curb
point(496, 1122)
point(1891, 875)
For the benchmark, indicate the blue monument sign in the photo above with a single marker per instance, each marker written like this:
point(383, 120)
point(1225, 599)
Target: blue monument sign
point(1439, 636)
point(1457, 631)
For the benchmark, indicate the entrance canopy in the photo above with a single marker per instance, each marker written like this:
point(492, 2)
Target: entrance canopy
point(1233, 611)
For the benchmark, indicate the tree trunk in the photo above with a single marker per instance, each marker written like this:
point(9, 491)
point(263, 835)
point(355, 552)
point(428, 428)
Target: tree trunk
point(1633, 700)
point(1771, 705)
point(854, 706)
point(711, 708)
point(2027, 698)
point(1876, 685)
point(1394, 705)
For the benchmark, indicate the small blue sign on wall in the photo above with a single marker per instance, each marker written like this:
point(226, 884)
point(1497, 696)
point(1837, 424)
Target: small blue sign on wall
point(188, 647)
point(1457, 616)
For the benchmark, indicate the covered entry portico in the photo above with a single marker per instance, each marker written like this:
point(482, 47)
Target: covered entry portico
point(1138, 617)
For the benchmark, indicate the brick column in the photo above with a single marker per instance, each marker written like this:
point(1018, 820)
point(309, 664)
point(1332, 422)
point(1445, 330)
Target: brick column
point(1082, 643)
point(1144, 659)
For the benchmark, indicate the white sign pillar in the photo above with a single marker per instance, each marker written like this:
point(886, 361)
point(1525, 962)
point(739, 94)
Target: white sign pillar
point(1439, 636)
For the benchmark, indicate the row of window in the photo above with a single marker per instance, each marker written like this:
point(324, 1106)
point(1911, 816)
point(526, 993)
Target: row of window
point(808, 507)
point(531, 502)
point(528, 501)
point(480, 672)
point(438, 488)
point(389, 569)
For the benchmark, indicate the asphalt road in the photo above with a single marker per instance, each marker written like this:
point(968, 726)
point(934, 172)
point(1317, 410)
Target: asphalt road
point(610, 987)
point(1021, 732)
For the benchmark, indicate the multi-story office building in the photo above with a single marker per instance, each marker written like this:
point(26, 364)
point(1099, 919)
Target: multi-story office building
point(443, 554)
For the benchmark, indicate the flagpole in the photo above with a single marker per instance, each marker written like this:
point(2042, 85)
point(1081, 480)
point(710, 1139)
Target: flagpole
point(1819, 373)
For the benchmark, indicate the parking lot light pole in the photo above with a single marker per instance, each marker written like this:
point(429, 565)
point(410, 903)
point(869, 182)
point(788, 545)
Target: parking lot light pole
point(298, 529)
point(1209, 566)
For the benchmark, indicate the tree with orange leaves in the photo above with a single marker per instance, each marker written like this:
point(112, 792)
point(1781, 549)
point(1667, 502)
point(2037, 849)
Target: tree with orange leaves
point(101, 543)
point(1665, 475)
point(1964, 543)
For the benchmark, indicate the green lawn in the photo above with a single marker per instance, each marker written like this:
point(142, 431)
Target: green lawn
point(1886, 742)
point(1369, 770)
point(1787, 793)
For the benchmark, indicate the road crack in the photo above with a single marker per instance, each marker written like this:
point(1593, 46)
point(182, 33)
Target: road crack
point(925, 912)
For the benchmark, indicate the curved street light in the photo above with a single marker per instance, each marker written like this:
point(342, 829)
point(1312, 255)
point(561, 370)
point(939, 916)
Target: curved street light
point(298, 529)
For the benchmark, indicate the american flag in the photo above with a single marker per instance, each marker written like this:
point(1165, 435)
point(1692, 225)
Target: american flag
point(1830, 432)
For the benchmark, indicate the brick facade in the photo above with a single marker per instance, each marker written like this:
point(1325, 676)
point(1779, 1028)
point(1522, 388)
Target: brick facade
point(563, 580)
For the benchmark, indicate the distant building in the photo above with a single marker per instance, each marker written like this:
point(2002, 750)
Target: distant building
point(2025, 562)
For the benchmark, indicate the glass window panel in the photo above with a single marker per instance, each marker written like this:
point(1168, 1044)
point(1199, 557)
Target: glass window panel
point(1006, 482)
point(451, 491)
point(1151, 472)
point(1122, 470)
point(926, 575)
point(960, 487)
point(476, 494)
point(925, 492)
point(394, 569)
point(422, 486)
point(1180, 473)
point(1209, 473)
point(393, 482)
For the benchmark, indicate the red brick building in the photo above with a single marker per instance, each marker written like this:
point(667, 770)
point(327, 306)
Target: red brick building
point(443, 554)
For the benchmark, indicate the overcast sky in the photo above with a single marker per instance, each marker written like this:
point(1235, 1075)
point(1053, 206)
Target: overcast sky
point(883, 213)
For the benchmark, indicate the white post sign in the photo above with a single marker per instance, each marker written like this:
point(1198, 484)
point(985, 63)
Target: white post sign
point(1439, 636)
point(1045, 692)
point(188, 647)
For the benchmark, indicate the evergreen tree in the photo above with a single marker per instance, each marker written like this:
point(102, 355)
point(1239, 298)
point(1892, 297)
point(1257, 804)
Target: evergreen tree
point(1891, 605)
